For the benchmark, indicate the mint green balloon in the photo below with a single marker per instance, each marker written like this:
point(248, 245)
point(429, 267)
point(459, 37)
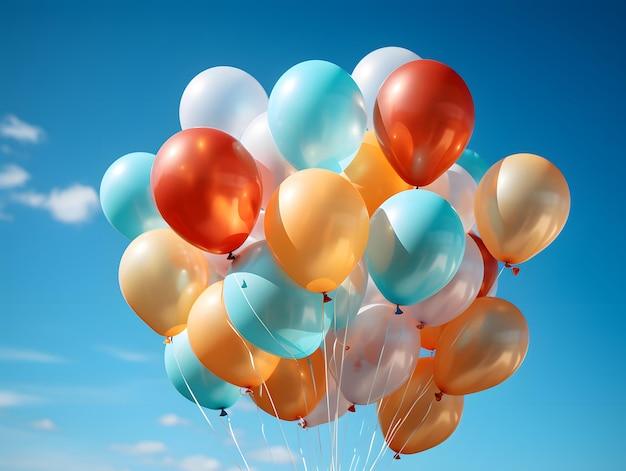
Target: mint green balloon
point(269, 309)
point(415, 246)
point(186, 372)
point(316, 115)
point(126, 198)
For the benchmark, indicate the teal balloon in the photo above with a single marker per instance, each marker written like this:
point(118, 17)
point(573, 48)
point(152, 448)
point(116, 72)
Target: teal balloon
point(473, 164)
point(316, 115)
point(209, 390)
point(270, 310)
point(415, 247)
point(126, 198)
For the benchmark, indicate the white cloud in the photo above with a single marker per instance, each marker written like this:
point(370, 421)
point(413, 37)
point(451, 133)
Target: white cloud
point(13, 176)
point(14, 128)
point(172, 420)
point(15, 399)
point(125, 355)
point(74, 204)
point(195, 463)
point(274, 454)
point(44, 424)
point(145, 447)
point(18, 354)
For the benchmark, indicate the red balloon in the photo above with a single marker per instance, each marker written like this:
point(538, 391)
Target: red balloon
point(207, 187)
point(423, 118)
point(491, 267)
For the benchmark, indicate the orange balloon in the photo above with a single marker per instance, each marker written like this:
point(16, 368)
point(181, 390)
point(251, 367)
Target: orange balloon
point(220, 348)
point(372, 175)
point(412, 419)
point(316, 226)
point(424, 118)
point(160, 277)
point(481, 348)
point(294, 389)
point(490, 274)
point(207, 187)
point(430, 336)
point(521, 206)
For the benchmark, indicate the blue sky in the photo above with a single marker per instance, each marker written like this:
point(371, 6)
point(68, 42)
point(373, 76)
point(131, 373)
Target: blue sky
point(82, 383)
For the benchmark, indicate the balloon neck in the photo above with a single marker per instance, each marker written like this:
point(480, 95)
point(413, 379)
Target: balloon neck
point(223, 413)
point(352, 408)
point(396, 456)
point(167, 340)
point(244, 285)
point(438, 396)
point(515, 270)
point(327, 298)
point(248, 391)
point(302, 422)
point(231, 256)
point(398, 310)
point(421, 325)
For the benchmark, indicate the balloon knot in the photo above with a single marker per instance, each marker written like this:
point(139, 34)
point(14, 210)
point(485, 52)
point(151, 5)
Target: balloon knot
point(223, 413)
point(438, 396)
point(352, 408)
point(244, 285)
point(231, 256)
point(347, 348)
point(421, 325)
point(398, 310)
point(327, 298)
point(248, 391)
point(396, 456)
point(302, 422)
point(515, 270)
point(167, 340)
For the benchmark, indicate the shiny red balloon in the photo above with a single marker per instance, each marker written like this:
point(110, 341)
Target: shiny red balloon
point(423, 118)
point(207, 187)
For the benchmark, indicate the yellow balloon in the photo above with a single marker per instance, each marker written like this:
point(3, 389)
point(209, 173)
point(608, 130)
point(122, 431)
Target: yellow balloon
point(521, 206)
point(316, 226)
point(412, 419)
point(372, 175)
point(160, 276)
point(294, 389)
point(481, 348)
point(220, 348)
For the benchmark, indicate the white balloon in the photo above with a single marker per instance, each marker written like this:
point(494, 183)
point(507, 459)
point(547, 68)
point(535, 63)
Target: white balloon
point(457, 295)
point(458, 188)
point(375, 354)
point(371, 71)
point(332, 406)
point(224, 98)
point(274, 168)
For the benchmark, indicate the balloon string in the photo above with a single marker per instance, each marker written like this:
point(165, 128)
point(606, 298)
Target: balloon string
point(330, 431)
point(195, 400)
point(234, 438)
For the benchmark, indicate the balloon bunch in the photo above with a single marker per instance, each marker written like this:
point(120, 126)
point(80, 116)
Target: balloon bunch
point(308, 245)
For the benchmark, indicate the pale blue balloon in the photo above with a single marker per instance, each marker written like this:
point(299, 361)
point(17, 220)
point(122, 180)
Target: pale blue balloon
point(473, 164)
point(269, 309)
point(316, 115)
point(415, 246)
point(182, 365)
point(126, 198)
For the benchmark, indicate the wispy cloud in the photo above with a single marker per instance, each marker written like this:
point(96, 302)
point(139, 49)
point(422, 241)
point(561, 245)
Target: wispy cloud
point(173, 420)
point(125, 355)
point(16, 399)
point(35, 356)
point(44, 424)
point(145, 447)
point(75, 204)
point(194, 463)
point(12, 176)
point(12, 127)
point(274, 454)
